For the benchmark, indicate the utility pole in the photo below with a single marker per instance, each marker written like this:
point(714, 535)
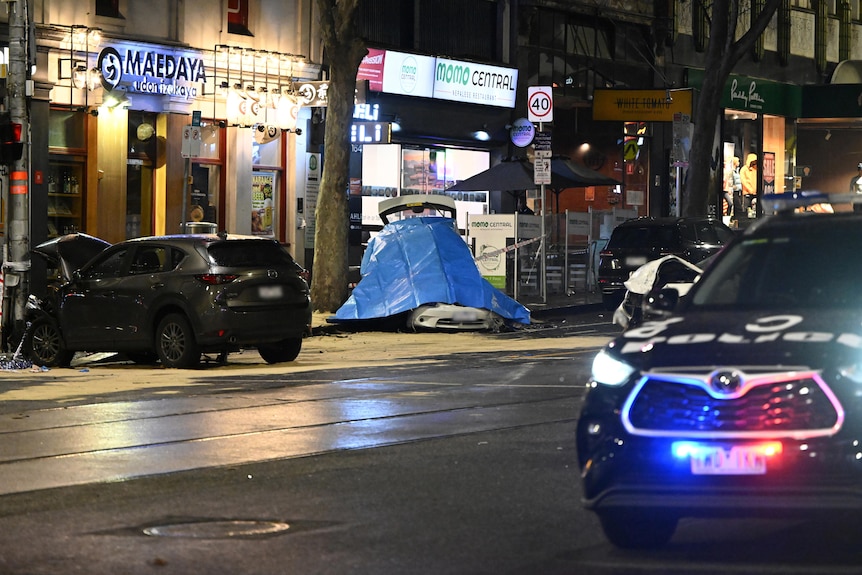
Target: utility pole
point(17, 262)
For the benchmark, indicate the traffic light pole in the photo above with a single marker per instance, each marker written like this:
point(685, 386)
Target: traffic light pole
point(17, 257)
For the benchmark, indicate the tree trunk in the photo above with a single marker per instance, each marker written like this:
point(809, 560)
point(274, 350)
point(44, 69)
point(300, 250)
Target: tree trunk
point(721, 55)
point(344, 52)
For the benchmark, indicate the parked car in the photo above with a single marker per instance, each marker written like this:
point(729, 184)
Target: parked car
point(172, 298)
point(745, 400)
point(647, 281)
point(636, 242)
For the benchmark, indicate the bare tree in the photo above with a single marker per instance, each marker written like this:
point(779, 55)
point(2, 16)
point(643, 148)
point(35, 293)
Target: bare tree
point(722, 54)
point(344, 51)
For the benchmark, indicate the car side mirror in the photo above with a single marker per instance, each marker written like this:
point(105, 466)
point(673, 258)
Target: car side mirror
point(661, 303)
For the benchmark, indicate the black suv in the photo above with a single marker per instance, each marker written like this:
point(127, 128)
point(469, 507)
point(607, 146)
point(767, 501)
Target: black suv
point(744, 399)
point(171, 298)
point(635, 242)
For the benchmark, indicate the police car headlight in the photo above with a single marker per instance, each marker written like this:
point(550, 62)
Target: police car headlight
point(608, 370)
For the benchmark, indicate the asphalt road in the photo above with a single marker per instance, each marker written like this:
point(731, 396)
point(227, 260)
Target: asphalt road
point(448, 463)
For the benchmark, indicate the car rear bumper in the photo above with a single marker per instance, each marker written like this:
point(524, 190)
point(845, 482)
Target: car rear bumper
point(225, 327)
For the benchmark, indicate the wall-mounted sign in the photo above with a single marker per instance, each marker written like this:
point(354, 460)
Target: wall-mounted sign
point(312, 94)
point(370, 133)
point(522, 133)
point(640, 105)
point(153, 70)
point(759, 95)
point(429, 77)
point(408, 74)
point(371, 69)
point(475, 83)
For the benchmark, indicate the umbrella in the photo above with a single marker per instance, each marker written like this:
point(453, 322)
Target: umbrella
point(517, 174)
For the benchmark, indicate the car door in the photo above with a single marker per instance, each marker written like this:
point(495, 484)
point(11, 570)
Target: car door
point(88, 311)
point(141, 285)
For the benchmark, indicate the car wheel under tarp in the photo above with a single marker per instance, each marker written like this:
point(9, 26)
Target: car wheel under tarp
point(638, 529)
point(44, 344)
point(285, 350)
point(175, 342)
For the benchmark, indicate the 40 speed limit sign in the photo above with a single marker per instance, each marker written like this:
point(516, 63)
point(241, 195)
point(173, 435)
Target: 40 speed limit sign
point(540, 104)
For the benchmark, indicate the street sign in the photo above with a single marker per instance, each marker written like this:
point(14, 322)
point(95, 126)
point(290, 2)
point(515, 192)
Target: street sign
point(542, 171)
point(191, 142)
point(630, 150)
point(540, 104)
point(542, 144)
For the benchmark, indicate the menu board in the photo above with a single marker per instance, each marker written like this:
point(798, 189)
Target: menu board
point(262, 199)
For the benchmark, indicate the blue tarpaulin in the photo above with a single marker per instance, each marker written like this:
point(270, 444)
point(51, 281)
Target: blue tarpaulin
point(422, 260)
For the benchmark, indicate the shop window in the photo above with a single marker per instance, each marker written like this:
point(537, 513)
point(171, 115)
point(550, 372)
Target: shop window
point(210, 142)
point(108, 8)
point(66, 174)
point(207, 192)
point(237, 17)
point(268, 154)
point(66, 129)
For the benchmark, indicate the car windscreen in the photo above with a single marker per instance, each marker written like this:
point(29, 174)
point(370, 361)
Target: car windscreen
point(805, 268)
point(648, 236)
point(707, 233)
point(248, 254)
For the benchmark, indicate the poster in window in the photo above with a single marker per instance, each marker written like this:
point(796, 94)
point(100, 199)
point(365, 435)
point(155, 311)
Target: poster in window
point(262, 203)
point(768, 172)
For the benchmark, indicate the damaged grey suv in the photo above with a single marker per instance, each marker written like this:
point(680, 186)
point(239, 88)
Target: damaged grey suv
point(172, 298)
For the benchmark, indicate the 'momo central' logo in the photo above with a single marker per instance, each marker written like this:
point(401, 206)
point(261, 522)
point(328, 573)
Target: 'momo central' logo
point(408, 75)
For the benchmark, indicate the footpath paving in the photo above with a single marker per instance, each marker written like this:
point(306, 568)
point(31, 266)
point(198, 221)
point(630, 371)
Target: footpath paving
point(330, 347)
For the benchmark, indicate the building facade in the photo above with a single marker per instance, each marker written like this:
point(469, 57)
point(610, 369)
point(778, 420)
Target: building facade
point(145, 116)
point(148, 115)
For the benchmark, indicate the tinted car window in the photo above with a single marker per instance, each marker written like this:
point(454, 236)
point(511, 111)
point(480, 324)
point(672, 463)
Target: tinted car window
point(108, 268)
point(642, 236)
point(801, 270)
point(148, 260)
point(248, 254)
point(708, 233)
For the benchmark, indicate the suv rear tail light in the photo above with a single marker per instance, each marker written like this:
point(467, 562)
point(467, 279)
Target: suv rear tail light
point(216, 279)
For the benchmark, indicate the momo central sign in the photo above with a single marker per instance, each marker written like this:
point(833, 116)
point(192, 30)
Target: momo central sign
point(441, 78)
point(154, 70)
point(475, 83)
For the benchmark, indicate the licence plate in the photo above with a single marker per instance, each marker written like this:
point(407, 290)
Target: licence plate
point(635, 260)
point(464, 316)
point(738, 460)
point(270, 292)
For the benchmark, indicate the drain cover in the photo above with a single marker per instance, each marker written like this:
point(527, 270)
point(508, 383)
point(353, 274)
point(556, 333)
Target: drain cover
point(217, 529)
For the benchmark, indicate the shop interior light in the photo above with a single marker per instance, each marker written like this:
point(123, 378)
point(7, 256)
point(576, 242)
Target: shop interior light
point(395, 125)
point(117, 99)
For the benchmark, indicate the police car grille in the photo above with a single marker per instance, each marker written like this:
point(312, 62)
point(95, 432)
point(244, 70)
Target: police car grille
point(663, 405)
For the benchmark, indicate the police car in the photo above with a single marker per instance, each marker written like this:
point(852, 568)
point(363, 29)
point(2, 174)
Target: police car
point(745, 397)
